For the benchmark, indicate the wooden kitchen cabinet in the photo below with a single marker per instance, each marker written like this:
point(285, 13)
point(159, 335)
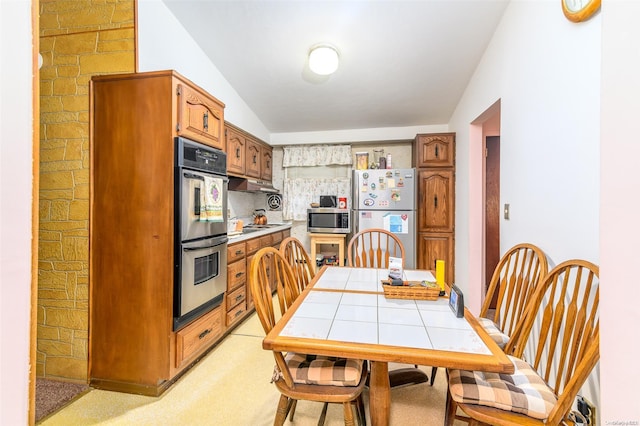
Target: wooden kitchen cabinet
point(434, 150)
point(435, 200)
point(200, 116)
point(434, 159)
point(266, 172)
point(236, 151)
point(247, 156)
point(134, 119)
point(254, 159)
point(434, 246)
point(236, 295)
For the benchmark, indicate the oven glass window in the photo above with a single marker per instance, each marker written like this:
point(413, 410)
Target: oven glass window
point(206, 268)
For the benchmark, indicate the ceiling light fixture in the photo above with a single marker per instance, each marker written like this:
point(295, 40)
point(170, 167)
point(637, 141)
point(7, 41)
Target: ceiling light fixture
point(323, 59)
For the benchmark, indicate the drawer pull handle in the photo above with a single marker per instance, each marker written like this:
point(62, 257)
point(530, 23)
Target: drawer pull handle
point(239, 297)
point(239, 274)
point(239, 313)
point(238, 251)
point(204, 333)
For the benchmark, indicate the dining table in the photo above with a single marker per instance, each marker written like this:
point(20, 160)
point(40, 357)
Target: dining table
point(344, 312)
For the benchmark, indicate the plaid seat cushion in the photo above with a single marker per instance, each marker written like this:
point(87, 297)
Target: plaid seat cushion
point(324, 370)
point(494, 332)
point(523, 392)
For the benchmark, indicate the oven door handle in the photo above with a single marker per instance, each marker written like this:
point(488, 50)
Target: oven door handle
point(192, 176)
point(218, 242)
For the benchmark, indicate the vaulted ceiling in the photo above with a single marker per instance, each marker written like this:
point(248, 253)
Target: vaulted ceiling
point(402, 63)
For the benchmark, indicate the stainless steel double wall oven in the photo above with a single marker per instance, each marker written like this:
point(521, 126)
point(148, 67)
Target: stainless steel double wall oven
point(201, 242)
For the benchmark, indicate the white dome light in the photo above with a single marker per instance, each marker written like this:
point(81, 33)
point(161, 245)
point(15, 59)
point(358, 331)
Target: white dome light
point(323, 59)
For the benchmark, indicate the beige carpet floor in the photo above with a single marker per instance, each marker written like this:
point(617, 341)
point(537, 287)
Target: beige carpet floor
point(231, 386)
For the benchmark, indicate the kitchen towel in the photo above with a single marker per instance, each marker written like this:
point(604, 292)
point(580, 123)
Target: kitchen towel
point(211, 200)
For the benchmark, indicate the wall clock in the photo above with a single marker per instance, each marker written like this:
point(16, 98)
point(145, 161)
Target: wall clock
point(579, 10)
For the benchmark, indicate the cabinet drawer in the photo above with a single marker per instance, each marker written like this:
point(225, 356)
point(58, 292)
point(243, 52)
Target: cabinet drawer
point(236, 251)
point(253, 245)
point(236, 313)
point(236, 296)
point(236, 274)
point(196, 337)
point(276, 239)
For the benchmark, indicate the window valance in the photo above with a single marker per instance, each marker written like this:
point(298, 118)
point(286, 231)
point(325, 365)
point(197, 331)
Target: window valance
point(316, 155)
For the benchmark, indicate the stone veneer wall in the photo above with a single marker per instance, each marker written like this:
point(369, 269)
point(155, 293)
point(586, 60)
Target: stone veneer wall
point(78, 39)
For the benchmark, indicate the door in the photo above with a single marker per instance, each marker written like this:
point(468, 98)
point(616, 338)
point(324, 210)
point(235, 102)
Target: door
point(492, 210)
point(401, 223)
point(436, 200)
point(189, 198)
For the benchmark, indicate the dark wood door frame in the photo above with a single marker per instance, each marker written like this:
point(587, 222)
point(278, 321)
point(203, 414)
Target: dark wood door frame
point(492, 208)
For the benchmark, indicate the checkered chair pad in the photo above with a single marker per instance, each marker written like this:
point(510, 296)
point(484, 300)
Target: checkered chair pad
point(523, 392)
point(494, 332)
point(324, 370)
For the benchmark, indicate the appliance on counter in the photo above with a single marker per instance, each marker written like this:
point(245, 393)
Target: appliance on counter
point(328, 201)
point(328, 220)
point(386, 198)
point(200, 258)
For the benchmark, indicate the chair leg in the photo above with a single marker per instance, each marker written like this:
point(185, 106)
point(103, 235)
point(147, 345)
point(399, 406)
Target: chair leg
point(362, 416)
point(450, 410)
point(434, 370)
point(281, 411)
point(348, 414)
point(323, 414)
point(292, 408)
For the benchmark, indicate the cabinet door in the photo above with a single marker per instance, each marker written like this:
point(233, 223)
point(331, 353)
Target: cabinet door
point(435, 195)
point(436, 246)
point(200, 117)
point(236, 151)
point(254, 159)
point(435, 150)
point(267, 163)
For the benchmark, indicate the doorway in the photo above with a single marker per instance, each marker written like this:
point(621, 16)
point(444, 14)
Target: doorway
point(492, 209)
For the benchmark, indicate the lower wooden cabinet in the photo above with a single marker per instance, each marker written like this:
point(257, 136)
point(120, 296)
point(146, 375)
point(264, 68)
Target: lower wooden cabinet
point(198, 336)
point(434, 246)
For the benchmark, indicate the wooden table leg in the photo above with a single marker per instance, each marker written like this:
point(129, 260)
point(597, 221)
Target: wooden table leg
point(379, 394)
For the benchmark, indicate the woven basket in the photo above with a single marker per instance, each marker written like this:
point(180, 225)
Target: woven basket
point(408, 291)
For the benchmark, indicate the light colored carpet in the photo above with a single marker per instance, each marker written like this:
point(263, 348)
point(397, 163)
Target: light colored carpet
point(231, 386)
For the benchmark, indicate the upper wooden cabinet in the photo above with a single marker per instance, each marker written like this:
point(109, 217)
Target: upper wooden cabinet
point(200, 116)
point(266, 172)
point(254, 159)
point(236, 151)
point(434, 150)
point(247, 155)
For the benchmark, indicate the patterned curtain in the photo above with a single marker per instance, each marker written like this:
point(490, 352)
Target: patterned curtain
point(316, 155)
point(298, 192)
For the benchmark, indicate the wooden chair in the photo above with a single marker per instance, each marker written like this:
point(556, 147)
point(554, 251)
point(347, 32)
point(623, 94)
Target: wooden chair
point(294, 373)
point(554, 350)
point(514, 280)
point(371, 248)
point(295, 254)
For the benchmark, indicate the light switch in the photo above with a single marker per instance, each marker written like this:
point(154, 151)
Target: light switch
point(506, 211)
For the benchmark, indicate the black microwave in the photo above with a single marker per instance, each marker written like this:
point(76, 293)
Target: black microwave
point(328, 221)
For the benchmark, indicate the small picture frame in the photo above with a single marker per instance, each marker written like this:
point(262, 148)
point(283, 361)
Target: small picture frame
point(456, 301)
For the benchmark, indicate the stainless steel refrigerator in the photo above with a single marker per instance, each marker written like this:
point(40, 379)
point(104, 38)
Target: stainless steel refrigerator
point(386, 198)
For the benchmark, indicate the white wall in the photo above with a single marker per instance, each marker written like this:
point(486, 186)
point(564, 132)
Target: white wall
point(548, 82)
point(16, 117)
point(164, 44)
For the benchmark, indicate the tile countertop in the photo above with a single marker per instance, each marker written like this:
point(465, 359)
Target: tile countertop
point(367, 316)
point(275, 227)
